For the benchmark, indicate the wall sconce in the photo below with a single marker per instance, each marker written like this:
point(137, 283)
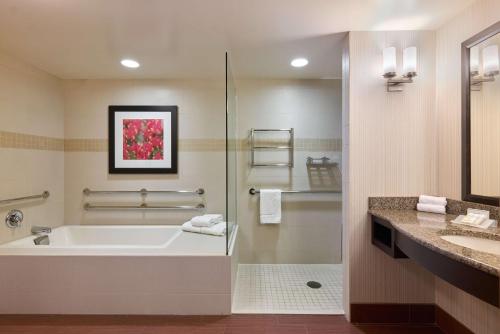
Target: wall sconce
point(491, 66)
point(394, 83)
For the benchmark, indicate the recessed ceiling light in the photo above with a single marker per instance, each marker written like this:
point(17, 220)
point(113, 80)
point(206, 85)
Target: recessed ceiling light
point(130, 63)
point(299, 62)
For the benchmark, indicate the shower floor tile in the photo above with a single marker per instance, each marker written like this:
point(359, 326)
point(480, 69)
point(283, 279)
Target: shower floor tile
point(282, 289)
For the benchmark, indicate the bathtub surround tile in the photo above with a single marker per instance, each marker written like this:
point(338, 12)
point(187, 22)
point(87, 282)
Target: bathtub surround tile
point(27, 141)
point(206, 144)
point(199, 285)
point(31, 142)
point(86, 145)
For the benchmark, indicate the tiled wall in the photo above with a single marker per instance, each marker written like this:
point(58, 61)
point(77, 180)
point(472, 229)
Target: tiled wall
point(201, 147)
point(480, 317)
point(311, 229)
point(390, 145)
point(31, 145)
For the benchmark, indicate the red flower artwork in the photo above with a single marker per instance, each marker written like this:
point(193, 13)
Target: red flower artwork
point(142, 139)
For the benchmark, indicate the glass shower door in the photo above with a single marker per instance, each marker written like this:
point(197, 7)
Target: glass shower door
point(231, 154)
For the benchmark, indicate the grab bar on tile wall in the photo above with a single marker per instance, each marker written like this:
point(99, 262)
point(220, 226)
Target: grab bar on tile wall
point(143, 206)
point(254, 191)
point(43, 195)
point(88, 192)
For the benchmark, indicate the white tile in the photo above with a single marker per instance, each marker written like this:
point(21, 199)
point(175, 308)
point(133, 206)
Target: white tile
point(282, 289)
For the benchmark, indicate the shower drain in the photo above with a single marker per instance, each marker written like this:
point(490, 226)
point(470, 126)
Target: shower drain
point(314, 284)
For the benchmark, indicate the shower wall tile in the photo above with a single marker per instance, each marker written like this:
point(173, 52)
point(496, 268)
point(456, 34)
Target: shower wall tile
point(311, 230)
point(201, 146)
point(31, 145)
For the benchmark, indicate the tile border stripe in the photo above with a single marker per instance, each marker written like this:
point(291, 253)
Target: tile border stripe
point(27, 141)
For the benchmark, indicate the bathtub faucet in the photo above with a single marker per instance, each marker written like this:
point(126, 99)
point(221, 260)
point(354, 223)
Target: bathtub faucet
point(38, 230)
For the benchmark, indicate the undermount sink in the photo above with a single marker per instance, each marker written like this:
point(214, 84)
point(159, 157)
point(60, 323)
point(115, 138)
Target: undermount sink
point(479, 244)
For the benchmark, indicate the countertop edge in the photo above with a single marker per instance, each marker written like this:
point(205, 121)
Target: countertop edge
point(453, 255)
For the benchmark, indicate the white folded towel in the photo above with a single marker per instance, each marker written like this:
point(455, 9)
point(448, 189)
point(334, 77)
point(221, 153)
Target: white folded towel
point(218, 229)
point(270, 206)
point(431, 208)
point(206, 220)
point(425, 199)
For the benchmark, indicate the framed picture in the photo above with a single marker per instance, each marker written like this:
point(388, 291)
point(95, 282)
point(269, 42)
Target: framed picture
point(142, 139)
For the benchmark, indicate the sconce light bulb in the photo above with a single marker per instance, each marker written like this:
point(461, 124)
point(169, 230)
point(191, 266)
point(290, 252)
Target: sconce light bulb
point(474, 61)
point(410, 61)
point(490, 60)
point(389, 61)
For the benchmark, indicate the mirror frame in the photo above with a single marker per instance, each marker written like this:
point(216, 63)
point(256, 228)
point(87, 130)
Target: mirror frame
point(466, 132)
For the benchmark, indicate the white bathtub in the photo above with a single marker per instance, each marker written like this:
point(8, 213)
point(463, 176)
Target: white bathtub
point(118, 240)
point(116, 270)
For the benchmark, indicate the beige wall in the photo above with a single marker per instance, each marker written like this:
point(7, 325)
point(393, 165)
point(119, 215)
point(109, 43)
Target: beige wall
point(31, 132)
point(201, 147)
point(477, 315)
point(311, 226)
point(391, 151)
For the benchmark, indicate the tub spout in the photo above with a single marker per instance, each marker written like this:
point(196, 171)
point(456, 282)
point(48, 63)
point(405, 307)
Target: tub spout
point(42, 240)
point(37, 230)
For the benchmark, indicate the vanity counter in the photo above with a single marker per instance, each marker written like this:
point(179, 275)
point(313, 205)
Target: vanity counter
point(427, 229)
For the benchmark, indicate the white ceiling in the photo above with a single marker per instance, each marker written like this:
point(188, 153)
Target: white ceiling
point(188, 38)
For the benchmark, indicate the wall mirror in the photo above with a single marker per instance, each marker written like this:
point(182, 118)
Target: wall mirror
point(481, 117)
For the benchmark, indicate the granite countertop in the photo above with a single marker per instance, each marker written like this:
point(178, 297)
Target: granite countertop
point(427, 229)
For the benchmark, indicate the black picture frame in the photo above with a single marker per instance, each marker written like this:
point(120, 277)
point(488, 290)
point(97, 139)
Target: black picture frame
point(467, 194)
point(112, 112)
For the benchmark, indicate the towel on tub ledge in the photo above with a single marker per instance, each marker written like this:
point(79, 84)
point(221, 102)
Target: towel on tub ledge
point(206, 220)
point(218, 229)
point(270, 206)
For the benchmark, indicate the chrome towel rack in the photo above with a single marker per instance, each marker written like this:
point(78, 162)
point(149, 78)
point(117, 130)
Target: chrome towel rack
point(254, 191)
point(88, 192)
point(43, 195)
point(289, 146)
point(88, 206)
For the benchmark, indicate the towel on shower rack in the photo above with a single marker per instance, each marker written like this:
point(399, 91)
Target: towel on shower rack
point(218, 229)
point(270, 206)
point(206, 220)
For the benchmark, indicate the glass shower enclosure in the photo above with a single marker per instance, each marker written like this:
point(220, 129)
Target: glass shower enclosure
point(231, 153)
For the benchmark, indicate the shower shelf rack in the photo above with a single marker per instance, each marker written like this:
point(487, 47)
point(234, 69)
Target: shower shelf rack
point(143, 205)
point(289, 147)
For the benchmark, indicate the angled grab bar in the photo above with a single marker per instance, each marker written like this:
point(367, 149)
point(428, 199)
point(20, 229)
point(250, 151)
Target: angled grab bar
point(43, 195)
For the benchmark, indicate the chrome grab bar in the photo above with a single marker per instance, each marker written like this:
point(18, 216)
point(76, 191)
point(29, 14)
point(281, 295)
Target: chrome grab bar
point(88, 192)
point(88, 206)
point(43, 195)
point(254, 191)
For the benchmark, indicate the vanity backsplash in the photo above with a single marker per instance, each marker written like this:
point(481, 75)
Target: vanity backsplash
point(454, 207)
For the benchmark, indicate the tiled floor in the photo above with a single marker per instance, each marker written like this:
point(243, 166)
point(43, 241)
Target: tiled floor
point(236, 324)
point(282, 289)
